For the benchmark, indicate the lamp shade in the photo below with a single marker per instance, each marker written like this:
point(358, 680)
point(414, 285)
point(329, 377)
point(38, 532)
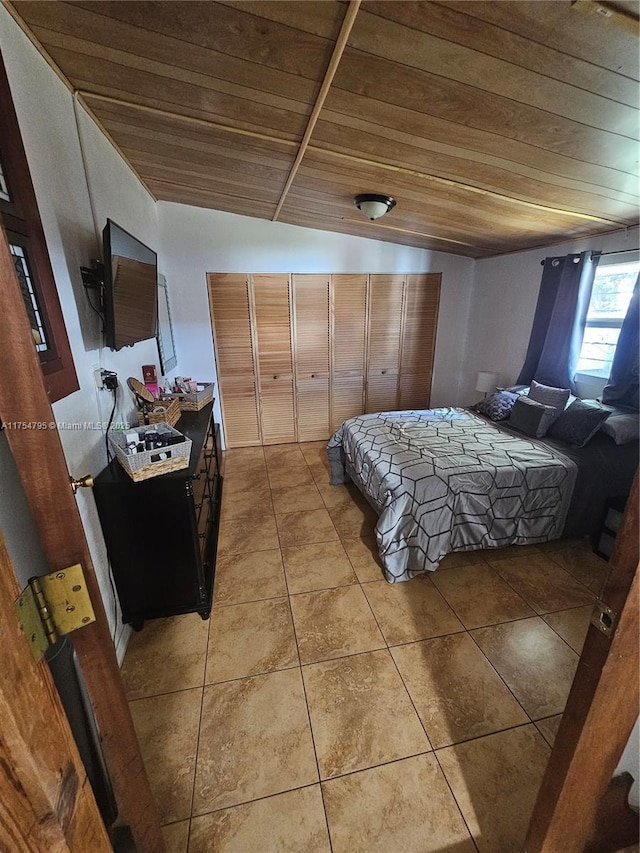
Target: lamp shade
point(486, 381)
point(374, 205)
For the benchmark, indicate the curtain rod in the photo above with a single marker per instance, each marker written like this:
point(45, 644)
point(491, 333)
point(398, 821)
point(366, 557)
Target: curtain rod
point(620, 252)
point(600, 254)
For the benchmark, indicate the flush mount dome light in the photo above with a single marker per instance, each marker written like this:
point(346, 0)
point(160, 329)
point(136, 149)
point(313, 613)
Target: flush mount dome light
point(374, 205)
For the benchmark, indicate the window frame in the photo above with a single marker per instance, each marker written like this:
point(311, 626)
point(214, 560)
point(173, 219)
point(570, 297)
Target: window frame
point(614, 261)
point(20, 220)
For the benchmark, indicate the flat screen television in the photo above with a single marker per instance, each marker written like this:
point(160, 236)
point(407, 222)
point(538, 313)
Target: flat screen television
point(130, 299)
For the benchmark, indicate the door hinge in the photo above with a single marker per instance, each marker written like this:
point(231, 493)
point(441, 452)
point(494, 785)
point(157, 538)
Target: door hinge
point(604, 618)
point(53, 605)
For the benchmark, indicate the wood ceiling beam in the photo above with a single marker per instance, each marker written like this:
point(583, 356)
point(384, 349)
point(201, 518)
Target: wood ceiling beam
point(341, 43)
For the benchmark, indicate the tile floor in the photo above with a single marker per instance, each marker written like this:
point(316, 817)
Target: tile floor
point(322, 709)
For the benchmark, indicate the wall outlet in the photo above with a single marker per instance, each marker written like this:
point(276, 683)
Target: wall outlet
point(97, 375)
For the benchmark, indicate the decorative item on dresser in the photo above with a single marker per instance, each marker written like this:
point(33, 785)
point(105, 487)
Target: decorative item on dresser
point(162, 533)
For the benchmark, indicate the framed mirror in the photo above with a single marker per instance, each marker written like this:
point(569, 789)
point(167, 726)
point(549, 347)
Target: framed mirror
point(166, 343)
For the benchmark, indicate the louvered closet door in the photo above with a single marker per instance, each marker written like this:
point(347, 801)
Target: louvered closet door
point(349, 338)
point(385, 335)
point(271, 303)
point(229, 300)
point(311, 321)
point(422, 296)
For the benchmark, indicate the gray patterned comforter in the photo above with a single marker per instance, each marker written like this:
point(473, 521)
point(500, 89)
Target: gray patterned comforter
point(448, 480)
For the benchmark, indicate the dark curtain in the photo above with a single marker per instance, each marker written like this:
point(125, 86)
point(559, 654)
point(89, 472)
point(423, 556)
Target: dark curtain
point(622, 388)
point(558, 325)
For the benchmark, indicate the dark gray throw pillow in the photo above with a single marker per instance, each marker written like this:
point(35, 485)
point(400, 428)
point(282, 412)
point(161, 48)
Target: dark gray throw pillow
point(578, 423)
point(550, 396)
point(530, 417)
point(497, 406)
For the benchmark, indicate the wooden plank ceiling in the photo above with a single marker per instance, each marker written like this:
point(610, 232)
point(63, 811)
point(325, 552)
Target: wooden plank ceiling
point(496, 126)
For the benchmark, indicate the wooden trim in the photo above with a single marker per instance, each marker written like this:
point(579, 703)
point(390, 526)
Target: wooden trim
point(336, 56)
point(600, 713)
point(47, 801)
point(58, 367)
point(43, 471)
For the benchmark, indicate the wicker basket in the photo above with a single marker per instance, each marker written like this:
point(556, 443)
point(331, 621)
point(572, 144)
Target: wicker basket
point(164, 412)
point(195, 401)
point(152, 463)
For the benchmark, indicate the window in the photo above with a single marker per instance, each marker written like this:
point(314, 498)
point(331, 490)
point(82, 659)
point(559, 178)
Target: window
point(20, 219)
point(610, 296)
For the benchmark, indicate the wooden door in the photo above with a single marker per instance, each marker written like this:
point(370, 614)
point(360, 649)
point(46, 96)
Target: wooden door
point(46, 802)
point(43, 472)
point(348, 346)
point(386, 294)
point(229, 301)
point(311, 324)
point(272, 322)
point(422, 296)
point(599, 716)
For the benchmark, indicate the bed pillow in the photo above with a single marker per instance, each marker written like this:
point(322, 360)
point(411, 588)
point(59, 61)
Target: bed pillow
point(531, 417)
point(579, 422)
point(497, 406)
point(550, 396)
point(623, 427)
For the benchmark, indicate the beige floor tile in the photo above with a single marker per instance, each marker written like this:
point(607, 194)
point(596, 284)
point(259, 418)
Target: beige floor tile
point(244, 534)
point(245, 480)
point(249, 639)
point(542, 583)
point(461, 558)
point(287, 476)
point(167, 729)
point(361, 714)
point(254, 741)
point(402, 806)
point(409, 611)
point(479, 596)
point(585, 566)
point(322, 565)
point(246, 503)
point(296, 498)
point(363, 554)
point(510, 552)
point(243, 459)
point(292, 822)
point(354, 520)
point(495, 780)
point(548, 728)
point(455, 690)
point(305, 528)
point(534, 662)
point(167, 655)
point(334, 622)
point(336, 497)
point(248, 577)
point(176, 836)
point(572, 625)
point(319, 465)
point(279, 455)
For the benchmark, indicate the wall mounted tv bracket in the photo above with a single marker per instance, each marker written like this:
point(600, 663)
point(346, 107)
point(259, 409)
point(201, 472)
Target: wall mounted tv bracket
point(93, 279)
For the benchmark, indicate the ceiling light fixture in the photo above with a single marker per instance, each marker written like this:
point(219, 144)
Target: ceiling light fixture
point(374, 205)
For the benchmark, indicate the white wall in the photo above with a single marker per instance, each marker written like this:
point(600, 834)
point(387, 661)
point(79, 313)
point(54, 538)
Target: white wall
point(505, 293)
point(45, 112)
point(196, 241)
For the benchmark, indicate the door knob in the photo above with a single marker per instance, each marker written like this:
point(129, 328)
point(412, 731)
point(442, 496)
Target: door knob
point(85, 482)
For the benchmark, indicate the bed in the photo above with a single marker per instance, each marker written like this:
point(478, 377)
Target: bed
point(449, 479)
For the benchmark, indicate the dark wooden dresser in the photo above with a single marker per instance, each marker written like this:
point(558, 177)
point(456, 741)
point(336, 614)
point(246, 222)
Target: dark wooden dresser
point(162, 533)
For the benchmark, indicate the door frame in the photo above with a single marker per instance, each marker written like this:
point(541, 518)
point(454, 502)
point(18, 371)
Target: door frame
point(42, 468)
point(599, 716)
